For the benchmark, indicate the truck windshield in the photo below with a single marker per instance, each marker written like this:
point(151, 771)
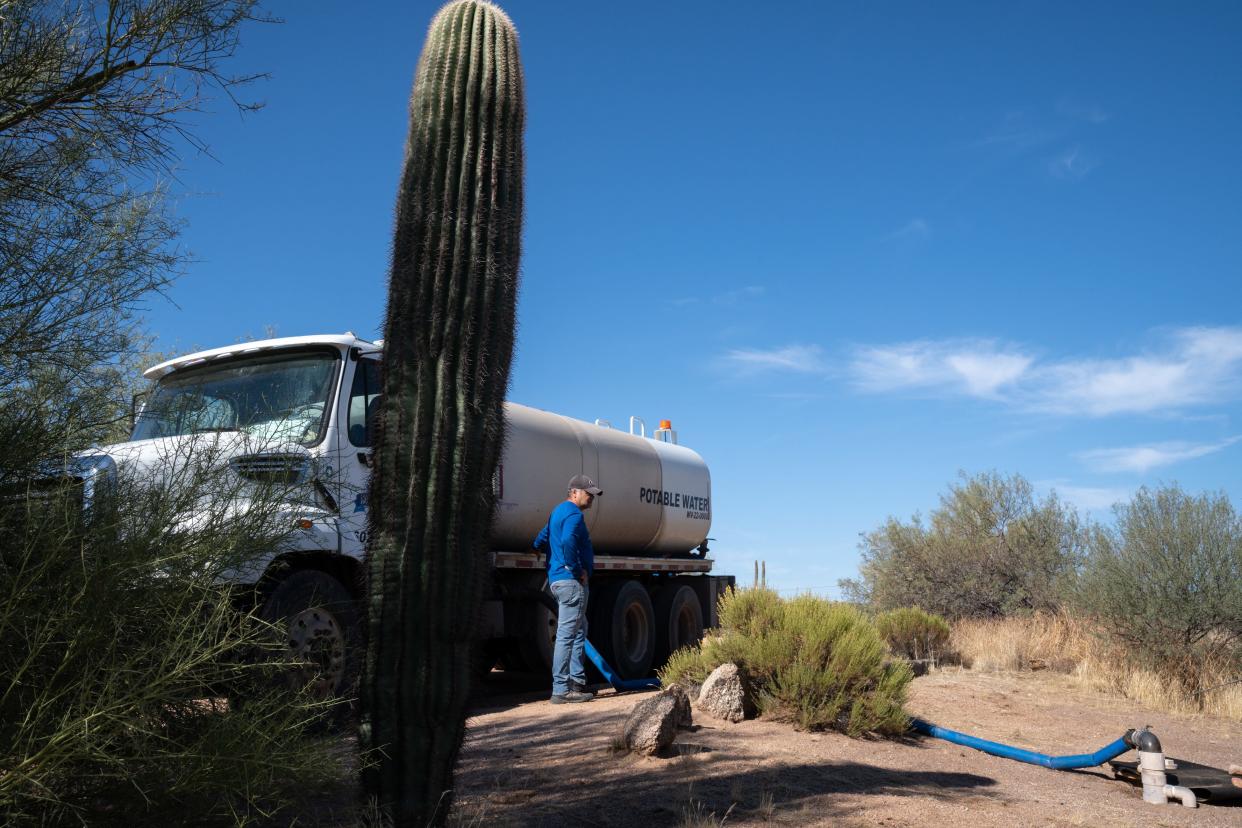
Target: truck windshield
point(282, 399)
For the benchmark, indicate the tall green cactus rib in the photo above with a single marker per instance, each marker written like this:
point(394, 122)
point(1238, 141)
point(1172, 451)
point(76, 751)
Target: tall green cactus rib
point(448, 334)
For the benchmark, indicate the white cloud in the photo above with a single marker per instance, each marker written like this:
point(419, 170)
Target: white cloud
point(1195, 367)
point(1144, 458)
point(1191, 368)
point(804, 359)
point(1217, 346)
point(1199, 366)
point(1101, 387)
point(978, 368)
point(985, 373)
point(1072, 164)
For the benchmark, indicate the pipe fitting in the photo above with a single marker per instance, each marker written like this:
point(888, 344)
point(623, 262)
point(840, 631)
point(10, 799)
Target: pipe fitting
point(1151, 769)
point(1184, 795)
point(1145, 740)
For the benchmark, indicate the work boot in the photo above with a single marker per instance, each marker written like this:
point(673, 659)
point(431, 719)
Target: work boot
point(578, 687)
point(572, 697)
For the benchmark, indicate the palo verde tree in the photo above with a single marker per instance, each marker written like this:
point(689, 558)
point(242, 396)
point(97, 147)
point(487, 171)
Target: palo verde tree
point(1166, 581)
point(990, 549)
point(449, 341)
point(114, 633)
point(95, 97)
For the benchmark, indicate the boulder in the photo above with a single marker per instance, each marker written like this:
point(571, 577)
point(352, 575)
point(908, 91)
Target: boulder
point(726, 694)
point(685, 718)
point(652, 724)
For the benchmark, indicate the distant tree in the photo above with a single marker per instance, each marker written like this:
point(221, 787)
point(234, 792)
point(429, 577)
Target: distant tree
point(1167, 581)
point(990, 549)
point(94, 98)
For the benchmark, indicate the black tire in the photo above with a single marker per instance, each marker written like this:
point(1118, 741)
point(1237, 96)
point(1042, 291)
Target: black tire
point(486, 656)
point(538, 642)
point(319, 620)
point(535, 653)
point(679, 619)
point(511, 659)
point(623, 628)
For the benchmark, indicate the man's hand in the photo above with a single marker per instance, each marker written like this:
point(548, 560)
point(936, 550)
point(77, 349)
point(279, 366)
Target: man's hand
point(582, 578)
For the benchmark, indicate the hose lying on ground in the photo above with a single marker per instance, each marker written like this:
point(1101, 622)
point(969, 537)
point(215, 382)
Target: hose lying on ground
point(1080, 760)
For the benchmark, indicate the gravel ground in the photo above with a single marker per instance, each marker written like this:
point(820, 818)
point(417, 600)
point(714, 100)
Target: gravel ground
point(526, 762)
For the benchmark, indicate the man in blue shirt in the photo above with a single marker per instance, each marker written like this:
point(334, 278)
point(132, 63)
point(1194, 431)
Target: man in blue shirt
point(571, 560)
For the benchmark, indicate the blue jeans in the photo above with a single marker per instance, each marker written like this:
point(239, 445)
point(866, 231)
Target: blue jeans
point(571, 628)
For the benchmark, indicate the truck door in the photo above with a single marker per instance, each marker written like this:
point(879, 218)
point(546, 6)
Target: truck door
point(355, 455)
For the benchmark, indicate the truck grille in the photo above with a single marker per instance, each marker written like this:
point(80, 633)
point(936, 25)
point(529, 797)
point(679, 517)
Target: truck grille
point(272, 468)
point(46, 502)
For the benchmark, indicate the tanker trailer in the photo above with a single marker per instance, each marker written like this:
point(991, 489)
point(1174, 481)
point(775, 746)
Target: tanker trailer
point(651, 592)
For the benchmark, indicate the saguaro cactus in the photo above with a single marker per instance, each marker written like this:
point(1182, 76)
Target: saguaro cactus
point(448, 339)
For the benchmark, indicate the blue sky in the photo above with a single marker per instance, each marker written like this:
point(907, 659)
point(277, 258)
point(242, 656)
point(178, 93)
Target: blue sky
point(848, 249)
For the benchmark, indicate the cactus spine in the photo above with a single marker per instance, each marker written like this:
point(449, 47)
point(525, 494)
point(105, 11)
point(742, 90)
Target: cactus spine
point(448, 334)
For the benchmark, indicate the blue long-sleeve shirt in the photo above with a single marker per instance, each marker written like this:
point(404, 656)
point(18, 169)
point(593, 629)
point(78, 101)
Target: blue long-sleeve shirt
point(567, 544)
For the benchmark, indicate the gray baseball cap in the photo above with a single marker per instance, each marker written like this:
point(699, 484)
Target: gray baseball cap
point(586, 484)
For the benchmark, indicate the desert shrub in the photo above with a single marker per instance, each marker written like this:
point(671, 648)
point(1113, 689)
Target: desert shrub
point(991, 549)
point(686, 666)
point(912, 633)
point(1166, 582)
point(818, 663)
point(116, 643)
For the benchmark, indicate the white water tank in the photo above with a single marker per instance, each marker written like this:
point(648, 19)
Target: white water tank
point(657, 495)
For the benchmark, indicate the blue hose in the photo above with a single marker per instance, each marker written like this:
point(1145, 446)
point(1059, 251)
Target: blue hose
point(1082, 760)
point(612, 678)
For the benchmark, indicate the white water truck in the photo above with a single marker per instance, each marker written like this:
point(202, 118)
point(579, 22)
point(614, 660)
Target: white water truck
point(301, 407)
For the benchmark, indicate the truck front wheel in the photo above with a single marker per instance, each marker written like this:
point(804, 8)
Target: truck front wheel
point(319, 621)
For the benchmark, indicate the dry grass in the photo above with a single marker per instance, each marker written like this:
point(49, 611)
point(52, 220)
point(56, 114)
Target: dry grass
point(694, 814)
point(1055, 642)
point(1069, 645)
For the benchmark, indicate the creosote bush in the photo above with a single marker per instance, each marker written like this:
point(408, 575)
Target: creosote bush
point(818, 663)
point(117, 644)
point(912, 633)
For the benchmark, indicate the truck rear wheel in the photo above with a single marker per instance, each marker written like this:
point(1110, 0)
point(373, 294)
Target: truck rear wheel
point(537, 645)
point(622, 628)
point(679, 619)
point(319, 621)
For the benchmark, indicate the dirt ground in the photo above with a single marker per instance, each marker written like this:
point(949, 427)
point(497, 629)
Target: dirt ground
point(526, 762)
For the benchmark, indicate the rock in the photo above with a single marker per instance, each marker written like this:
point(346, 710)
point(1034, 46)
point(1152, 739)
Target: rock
point(685, 718)
point(652, 724)
point(726, 694)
